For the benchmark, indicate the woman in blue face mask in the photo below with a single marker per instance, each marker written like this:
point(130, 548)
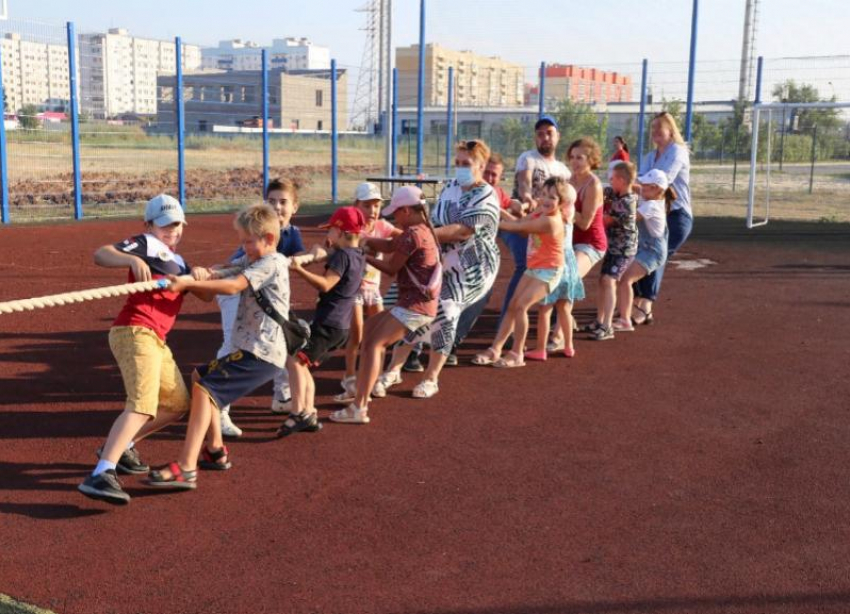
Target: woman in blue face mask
point(466, 221)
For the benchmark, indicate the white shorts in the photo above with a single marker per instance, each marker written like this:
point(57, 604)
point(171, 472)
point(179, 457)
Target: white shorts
point(412, 321)
point(369, 296)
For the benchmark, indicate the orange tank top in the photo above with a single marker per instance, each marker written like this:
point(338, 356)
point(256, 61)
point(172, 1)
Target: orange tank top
point(546, 251)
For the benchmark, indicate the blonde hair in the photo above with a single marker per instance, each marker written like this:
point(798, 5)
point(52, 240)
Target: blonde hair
point(591, 150)
point(258, 221)
point(625, 171)
point(476, 149)
point(670, 123)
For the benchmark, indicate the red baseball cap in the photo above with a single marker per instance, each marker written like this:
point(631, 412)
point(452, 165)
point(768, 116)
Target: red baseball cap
point(347, 219)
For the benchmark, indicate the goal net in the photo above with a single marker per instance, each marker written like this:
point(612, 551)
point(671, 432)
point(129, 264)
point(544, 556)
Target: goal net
point(789, 139)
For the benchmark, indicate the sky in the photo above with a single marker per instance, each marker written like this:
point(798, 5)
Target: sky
point(614, 34)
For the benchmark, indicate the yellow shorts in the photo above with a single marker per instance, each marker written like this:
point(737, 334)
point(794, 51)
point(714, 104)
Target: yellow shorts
point(151, 377)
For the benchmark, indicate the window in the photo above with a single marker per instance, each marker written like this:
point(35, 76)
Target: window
point(319, 99)
point(319, 125)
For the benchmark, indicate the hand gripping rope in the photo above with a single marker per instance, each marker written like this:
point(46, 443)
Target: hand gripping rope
point(55, 300)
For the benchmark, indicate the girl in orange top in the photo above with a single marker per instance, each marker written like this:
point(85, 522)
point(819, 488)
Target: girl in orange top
point(544, 264)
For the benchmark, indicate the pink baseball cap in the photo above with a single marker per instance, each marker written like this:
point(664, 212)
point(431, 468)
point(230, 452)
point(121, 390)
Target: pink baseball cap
point(406, 196)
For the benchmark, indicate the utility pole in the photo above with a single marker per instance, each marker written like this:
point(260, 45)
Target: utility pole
point(748, 49)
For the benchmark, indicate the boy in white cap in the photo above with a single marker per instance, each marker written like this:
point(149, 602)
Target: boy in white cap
point(369, 302)
point(156, 393)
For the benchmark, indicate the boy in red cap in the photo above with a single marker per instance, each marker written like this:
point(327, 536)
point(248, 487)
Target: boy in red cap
point(338, 288)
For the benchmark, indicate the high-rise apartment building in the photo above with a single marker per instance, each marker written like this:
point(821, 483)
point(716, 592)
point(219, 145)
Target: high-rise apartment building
point(118, 71)
point(284, 53)
point(34, 73)
point(586, 85)
point(480, 81)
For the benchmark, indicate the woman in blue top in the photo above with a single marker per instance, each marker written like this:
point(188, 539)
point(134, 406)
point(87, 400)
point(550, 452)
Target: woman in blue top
point(670, 156)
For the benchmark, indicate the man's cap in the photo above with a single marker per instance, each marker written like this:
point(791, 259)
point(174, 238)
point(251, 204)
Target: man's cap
point(367, 191)
point(164, 210)
point(406, 196)
point(655, 177)
point(546, 120)
point(347, 219)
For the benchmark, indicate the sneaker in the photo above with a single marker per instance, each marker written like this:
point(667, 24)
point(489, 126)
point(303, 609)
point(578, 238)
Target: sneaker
point(351, 415)
point(591, 328)
point(451, 361)
point(603, 333)
point(228, 429)
point(425, 389)
point(130, 462)
point(281, 406)
point(104, 487)
point(555, 346)
point(387, 379)
point(413, 364)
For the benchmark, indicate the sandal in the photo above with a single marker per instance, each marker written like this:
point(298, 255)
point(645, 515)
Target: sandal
point(536, 355)
point(180, 479)
point(299, 422)
point(212, 460)
point(569, 352)
point(645, 319)
point(425, 389)
point(621, 325)
point(511, 361)
point(487, 357)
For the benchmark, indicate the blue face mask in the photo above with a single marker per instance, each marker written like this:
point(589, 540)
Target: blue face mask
point(464, 177)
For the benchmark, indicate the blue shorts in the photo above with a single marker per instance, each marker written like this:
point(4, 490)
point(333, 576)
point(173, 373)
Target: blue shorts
point(652, 251)
point(230, 378)
point(550, 277)
point(593, 254)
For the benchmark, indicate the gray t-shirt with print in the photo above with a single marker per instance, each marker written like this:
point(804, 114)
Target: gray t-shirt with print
point(253, 330)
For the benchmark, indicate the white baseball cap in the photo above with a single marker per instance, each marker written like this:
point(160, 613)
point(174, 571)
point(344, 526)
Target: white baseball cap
point(164, 210)
point(407, 196)
point(655, 177)
point(367, 191)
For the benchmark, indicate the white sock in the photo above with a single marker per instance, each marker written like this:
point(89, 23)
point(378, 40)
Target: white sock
point(102, 465)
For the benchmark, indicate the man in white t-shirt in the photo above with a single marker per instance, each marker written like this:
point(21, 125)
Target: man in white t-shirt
point(533, 168)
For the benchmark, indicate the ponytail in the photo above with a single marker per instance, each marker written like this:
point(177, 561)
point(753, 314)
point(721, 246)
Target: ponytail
point(670, 196)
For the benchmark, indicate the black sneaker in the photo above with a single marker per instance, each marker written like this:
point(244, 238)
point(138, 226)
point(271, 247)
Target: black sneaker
point(413, 364)
point(451, 361)
point(591, 328)
point(130, 462)
point(104, 487)
point(603, 333)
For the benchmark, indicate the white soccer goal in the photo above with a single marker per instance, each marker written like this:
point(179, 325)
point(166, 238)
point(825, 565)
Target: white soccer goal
point(769, 108)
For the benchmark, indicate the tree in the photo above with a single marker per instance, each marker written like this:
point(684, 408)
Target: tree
point(827, 120)
point(27, 117)
point(577, 120)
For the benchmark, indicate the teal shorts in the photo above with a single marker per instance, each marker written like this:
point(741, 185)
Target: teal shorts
point(550, 277)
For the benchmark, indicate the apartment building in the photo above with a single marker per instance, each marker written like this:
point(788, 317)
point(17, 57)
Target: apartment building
point(584, 85)
point(118, 72)
point(284, 53)
point(34, 73)
point(480, 81)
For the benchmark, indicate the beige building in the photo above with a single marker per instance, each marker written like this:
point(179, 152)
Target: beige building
point(118, 72)
point(480, 81)
point(34, 73)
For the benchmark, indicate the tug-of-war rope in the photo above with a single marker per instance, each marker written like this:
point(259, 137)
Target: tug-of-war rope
point(79, 296)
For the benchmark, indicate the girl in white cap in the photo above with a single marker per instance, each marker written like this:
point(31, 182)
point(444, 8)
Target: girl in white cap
point(655, 199)
point(414, 257)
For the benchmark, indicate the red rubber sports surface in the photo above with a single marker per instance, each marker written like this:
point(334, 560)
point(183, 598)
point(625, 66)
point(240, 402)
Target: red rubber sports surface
point(698, 465)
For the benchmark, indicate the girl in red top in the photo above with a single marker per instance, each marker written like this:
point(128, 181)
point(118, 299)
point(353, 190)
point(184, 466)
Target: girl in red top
point(415, 259)
point(621, 150)
point(545, 262)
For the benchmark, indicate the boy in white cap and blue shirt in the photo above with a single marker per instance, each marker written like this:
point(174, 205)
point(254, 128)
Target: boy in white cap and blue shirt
point(156, 393)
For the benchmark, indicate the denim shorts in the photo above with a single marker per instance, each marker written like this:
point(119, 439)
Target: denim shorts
point(591, 252)
point(652, 251)
point(550, 277)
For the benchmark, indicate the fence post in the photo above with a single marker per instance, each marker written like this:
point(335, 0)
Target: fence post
point(420, 110)
point(759, 67)
point(541, 91)
point(265, 114)
point(394, 145)
point(689, 114)
point(181, 124)
point(814, 155)
point(782, 139)
point(4, 175)
point(449, 126)
point(735, 156)
point(334, 135)
point(641, 126)
point(75, 123)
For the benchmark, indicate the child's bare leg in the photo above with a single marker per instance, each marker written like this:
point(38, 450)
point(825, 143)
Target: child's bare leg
point(310, 388)
point(544, 313)
point(399, 356)
point(528, 293)
point(381, 331)
point(607, 298)
point(355, 336)
point(298, 384)
point(123, 430)
point(199, 424)
point(163, 419)
point(625, 291)
point(565, 321)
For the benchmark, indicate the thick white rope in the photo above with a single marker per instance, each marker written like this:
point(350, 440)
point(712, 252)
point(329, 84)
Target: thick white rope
point(56, 300)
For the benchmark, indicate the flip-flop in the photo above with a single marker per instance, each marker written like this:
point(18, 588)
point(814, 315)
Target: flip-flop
point(487, 357)
point(536, 355)
point(514, 361)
